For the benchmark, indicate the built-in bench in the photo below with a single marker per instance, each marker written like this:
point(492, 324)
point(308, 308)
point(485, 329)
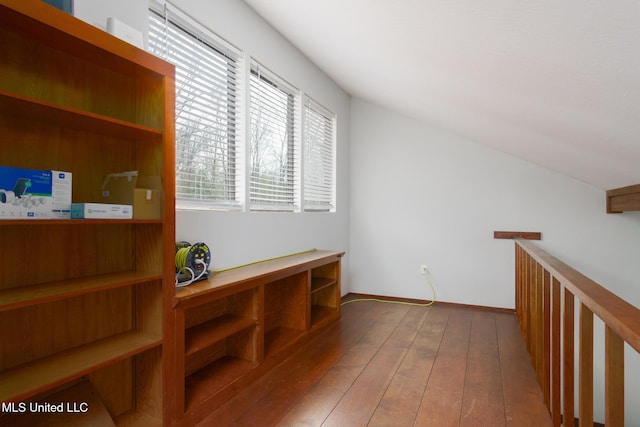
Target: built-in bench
point(233, 327)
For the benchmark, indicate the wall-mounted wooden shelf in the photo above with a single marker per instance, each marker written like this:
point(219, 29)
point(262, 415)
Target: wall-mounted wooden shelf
point(623, 199)
point(529, 235)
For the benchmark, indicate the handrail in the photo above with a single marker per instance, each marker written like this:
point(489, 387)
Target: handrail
point(546, 290)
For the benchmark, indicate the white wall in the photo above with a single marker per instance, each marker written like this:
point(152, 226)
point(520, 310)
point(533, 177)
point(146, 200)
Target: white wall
point(420, 195)
point(134, 13)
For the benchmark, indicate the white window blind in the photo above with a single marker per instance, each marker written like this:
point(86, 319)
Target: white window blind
point(319, 158)
point(208, 158)
point(274, 116)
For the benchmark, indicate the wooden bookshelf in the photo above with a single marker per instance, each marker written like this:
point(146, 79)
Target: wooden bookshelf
point(84, 300)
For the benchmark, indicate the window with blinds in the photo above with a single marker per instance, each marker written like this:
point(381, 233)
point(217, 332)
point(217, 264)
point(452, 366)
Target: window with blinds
point(319, 158)
point(208, 157)
point(274, 143)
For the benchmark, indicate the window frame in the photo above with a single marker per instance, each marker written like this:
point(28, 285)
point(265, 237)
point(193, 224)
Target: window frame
point(319, 180)
point(224, 148)
point(302, 184)
point(265, 88)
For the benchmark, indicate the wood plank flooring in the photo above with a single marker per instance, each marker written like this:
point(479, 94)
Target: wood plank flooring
point(399, 365)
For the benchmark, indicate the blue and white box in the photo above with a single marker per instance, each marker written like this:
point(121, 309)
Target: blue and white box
point(31, 194)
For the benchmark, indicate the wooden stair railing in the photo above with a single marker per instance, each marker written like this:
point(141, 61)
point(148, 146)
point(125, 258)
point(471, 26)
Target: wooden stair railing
point(548, 292)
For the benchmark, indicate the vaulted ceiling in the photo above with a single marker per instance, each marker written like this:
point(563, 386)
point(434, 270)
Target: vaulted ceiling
point(553, 82)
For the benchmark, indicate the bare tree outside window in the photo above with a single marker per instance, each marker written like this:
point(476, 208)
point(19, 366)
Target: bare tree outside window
point(283, 161)
point(272, 177)
point(206, 154)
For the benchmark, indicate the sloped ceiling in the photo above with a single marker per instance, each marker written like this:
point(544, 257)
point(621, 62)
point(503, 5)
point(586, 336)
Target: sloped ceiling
point(553, 82)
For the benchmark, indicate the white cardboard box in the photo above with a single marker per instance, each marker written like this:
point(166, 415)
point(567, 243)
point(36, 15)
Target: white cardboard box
point(101, 211)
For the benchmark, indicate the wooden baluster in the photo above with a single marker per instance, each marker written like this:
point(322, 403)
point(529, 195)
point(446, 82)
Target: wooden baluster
point(568, 413)
point(546, 338)
point(518, 259)
point(531, 309)
point(529, 319)
point(521, 288)
point(539, 326)
point(556, 315)
point(586, 366)
point(546, 310)
point(614, 379)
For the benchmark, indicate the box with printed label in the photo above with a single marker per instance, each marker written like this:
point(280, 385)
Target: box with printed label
point(143, 193)
point(34, 194)
point(25, 193)
point(100, 211)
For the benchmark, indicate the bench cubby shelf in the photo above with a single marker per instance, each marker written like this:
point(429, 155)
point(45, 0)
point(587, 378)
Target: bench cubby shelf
point(238, 324)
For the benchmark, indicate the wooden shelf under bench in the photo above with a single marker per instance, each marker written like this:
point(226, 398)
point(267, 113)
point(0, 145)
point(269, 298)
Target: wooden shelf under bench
point(233, 327)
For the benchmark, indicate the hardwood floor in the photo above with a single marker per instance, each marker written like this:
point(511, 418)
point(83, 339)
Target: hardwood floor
point(399, 365)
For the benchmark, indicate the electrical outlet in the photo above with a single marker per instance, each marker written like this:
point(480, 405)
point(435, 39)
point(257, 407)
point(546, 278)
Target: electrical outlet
point(423, 269)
